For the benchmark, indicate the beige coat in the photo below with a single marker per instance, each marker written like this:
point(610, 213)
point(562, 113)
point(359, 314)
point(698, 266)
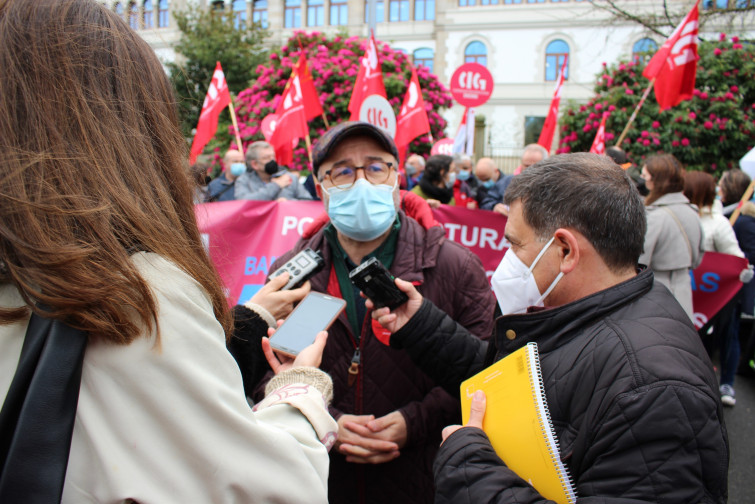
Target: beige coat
point(171, 424)
point(674, 245)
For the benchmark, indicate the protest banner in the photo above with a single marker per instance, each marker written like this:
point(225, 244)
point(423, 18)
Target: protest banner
point(244, 238)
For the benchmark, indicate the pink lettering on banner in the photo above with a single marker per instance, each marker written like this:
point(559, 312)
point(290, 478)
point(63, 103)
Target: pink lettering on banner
point(244, 238)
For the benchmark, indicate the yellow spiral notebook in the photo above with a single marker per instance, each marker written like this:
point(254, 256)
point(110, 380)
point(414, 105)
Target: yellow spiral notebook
point(518, 423)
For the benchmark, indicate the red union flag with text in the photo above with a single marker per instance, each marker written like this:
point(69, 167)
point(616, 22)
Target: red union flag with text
point(412, 120)
point(216, 100)
point(292, 120)
point(369, 80)
point(674, 66)
point(599, 144)
point(549, 127)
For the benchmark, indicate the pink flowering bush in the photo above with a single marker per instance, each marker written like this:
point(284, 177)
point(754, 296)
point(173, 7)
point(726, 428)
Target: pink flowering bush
point(333, 63)
point(711, 132)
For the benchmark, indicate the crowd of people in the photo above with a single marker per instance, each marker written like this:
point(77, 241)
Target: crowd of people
point(172, 396)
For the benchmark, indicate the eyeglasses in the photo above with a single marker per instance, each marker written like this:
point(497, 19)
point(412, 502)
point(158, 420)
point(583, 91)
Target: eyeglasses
point(377, 172)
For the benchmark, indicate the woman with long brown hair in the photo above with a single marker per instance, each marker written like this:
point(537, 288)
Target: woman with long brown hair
point(98, 232)
point(673, 242)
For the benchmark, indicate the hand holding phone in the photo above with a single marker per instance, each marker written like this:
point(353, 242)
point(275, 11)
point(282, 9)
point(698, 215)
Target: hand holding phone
point(314, 314)
point(378, 285)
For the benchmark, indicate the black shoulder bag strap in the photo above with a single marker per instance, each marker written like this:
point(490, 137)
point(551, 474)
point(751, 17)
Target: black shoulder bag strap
point(37, 417)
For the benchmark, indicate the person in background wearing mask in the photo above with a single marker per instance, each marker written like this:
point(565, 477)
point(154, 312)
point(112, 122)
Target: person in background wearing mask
point(266, 181)
point(533, 153)
point(465, 186)
point(487, 175)
point(414, 167)
point(632, 395)
point(436, 185)
point(222, 188)
point(390, 415)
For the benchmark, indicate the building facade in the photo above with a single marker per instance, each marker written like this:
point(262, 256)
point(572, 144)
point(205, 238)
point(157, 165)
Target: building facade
point(522, 42)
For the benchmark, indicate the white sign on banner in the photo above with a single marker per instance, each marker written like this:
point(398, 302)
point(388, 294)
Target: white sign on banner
point(747, 163)
point(377, 111)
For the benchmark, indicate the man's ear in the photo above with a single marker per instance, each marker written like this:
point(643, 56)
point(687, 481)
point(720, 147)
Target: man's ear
point(568, 252)
point(318, 187)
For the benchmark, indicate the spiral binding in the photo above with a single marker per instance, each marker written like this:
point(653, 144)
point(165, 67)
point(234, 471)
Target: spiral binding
point(546, 425)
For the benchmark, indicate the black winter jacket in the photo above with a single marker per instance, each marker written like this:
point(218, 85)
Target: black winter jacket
point(631, 393)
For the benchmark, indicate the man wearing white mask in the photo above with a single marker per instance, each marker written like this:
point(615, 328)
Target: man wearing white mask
point(631, 392)
point(390, 415)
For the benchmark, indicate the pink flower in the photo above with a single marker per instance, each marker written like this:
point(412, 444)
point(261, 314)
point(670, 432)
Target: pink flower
point(704, 95)
point(629, 91)
point(273, 56)
point(722, 126)
point(678, 119)
point(611, 108)
point(645, 134)
point(656, 141)
point(735, 39)
point(708, 125)
point(717, 51)
point(646, 142)
point(692, 116)
point(695, 92)
point(586, 128)
point(675, 143)
point(729, 96)
point(622, 67)
point(736, 46)
point(655, 124)
point(722, 37)
point(599, 106)
point(685, 142)
point(609, 136)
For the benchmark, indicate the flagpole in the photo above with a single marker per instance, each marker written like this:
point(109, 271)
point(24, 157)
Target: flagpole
point(634, 114)
point(309, 148)
point(235, 126)
point(327, 126)
point(745, 198)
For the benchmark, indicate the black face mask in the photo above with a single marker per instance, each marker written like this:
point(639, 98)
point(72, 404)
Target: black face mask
point(271, 167)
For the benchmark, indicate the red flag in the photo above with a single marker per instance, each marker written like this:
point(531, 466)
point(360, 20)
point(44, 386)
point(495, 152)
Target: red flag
point(412, 120)
point(674, 66)
point(218, 97)
point(549, 127)
point(312, 107)
point(599, 144)
point(464, 140)
point(369, 80)
point(292, 120)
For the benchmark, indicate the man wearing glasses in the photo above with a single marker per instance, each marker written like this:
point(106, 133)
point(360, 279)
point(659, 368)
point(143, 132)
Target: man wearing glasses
point(390, 415)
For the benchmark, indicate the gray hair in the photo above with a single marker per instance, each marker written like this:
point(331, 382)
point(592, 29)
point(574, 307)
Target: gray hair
point(589, 193)
point(253, 150)
point(537, 148)
point(417, 158)
point(461, 158)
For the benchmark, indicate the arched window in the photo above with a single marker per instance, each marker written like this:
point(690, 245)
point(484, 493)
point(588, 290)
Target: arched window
point(555, 54)
point(133, 15)
point(147, 14)
point(118, 9)
point(424, 56)
point(643, 49)
point(476, 52)
point(162, 15)
point(239, 14)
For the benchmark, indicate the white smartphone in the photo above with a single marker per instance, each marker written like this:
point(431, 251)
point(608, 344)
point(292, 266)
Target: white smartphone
point(313, 314)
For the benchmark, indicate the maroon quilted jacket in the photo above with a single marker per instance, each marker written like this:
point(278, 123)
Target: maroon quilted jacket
point(453, 278)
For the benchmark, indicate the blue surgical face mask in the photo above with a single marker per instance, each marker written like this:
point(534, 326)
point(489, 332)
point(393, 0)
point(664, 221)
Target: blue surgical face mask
point(237, 169)
point(362, 212)
point(411, 169)
point(488, 184)
point(463, 175)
